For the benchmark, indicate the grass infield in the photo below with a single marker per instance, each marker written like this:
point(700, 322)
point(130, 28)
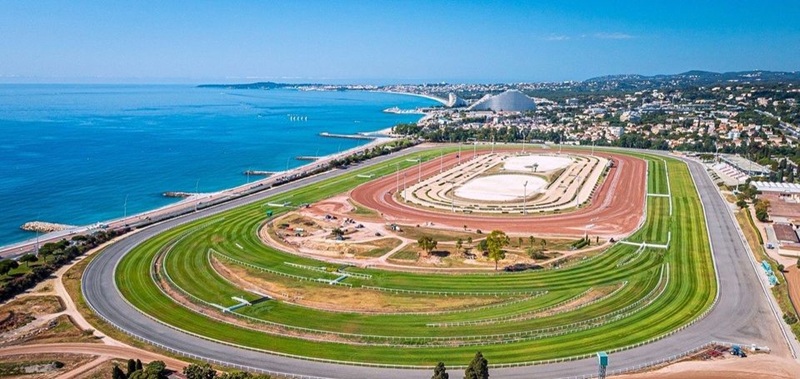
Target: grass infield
point(533, 315)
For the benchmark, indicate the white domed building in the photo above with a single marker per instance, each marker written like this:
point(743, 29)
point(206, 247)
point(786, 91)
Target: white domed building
point(509, 101)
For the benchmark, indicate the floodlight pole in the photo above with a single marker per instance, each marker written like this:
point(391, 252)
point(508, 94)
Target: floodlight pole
point(419, 169)
point(524, 197)
point(523, 145)
point(592, 147)
point(453, 196)
point(474, 148)
point(459, 153)
point(196, 194)
point(441, 161)
point(397, 177)
point(125, 207)
point(405, 192)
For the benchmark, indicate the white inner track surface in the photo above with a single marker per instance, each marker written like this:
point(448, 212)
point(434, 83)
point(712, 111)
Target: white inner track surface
point(545, 163)
point(506, 187)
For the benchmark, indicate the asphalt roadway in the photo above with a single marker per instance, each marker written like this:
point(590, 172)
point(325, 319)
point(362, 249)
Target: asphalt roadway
point(742, 314)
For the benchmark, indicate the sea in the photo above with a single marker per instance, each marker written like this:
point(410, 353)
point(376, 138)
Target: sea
point(81, 154)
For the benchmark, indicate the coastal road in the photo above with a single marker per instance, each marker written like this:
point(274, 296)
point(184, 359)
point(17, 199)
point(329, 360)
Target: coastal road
point(742, 314)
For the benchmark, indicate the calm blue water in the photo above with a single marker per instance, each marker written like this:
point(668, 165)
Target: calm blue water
point(72, 153)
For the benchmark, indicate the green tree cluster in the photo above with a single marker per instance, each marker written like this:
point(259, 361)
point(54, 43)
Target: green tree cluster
point(427, 244)
point(204, 371)
point(495, 243)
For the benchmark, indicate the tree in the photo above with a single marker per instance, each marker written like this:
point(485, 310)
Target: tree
point(519, 241)
point(798, 263)
point(139, 365)
point(478, 368)
point(131, 366)
point(535, 253)
point(28, 258)
point(780, 267)
point(440, 372)
point(337, 233)
point(116, 373)
point(6, 265)
point(531, 240)
point(427, 244)
point(242, 375)
point(459, 245)
point(469, 240)
point(195, 371)
point(483, 246)
point(495, 242)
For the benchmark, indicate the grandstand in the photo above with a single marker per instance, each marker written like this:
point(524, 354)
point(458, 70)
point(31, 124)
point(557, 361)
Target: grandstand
point(729, 174)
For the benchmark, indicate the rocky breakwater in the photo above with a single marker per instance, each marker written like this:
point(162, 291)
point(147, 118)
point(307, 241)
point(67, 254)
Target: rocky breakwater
point(44, 227)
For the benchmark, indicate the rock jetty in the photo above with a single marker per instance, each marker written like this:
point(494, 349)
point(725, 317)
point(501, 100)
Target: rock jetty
point(178, 194)
point(44, 227)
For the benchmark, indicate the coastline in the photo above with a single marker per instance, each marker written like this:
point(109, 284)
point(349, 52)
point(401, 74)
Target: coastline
point(185, 205)
point(429, 97)
point(25, 241)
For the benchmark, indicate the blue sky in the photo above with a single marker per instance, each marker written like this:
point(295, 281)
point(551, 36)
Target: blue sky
point(381, 41)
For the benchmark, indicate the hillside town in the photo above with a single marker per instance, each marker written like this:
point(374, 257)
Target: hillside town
point(755, 120)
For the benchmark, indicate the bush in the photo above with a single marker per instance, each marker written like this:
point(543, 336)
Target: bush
point(790, 318)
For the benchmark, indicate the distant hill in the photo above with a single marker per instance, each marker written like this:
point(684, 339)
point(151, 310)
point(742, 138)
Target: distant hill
point(693, 78)
point(257, 85)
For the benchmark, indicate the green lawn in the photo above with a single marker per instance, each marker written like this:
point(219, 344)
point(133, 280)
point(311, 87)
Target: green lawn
point(648, 306)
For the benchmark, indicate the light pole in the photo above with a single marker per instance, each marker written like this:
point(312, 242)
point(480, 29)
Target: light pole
point(196, 194)
point(523, 145)
point(441, 161)
point(459, 153)
point(577, 193)
point(419, 169)
point(405, 192)
point(474, 149)
point(287, 164)
point(125, 207)
point(592, 147)
point(524, 197)
point(453, 196)
point(397, 177)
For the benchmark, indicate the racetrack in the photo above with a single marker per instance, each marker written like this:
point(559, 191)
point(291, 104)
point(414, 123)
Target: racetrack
point(613, 212)
point(741, 315)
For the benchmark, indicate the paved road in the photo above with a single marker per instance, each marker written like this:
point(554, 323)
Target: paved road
point(742, 314)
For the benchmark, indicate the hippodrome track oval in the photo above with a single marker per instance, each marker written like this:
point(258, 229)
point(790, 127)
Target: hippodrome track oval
point(611, 213)
point(741, 315)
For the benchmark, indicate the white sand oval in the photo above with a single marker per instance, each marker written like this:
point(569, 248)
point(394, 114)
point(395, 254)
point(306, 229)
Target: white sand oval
point(544, 163)
point(504, 187)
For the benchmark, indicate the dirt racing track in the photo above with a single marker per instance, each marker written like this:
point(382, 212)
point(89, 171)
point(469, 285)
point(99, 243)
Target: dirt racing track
point(615, 210)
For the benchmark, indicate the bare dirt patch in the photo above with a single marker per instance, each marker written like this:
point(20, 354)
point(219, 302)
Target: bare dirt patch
point(58, 330)
point(23, 310)
point(41, 366)
point(760, 366)
point(343, 300)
